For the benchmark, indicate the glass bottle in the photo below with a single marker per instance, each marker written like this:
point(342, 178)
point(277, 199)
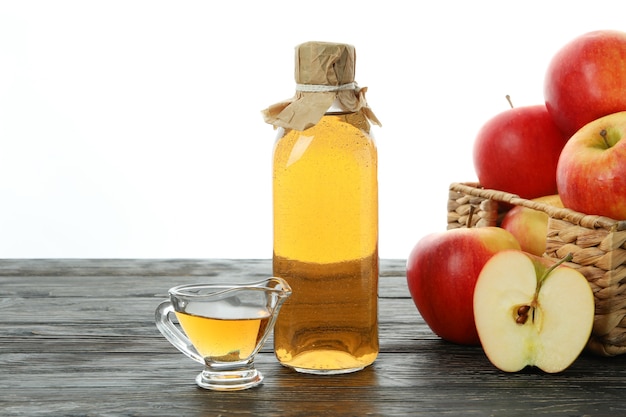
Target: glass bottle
point(325, 202)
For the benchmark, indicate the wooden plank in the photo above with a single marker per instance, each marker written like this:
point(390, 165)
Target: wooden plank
point(157, 267)
point(78, 338)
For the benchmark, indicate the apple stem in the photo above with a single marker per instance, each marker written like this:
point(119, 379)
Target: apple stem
point(508, 98)
point(470, 216)
point(523, 310)
point(545, 275)
point(603, 134)
point(548, 271)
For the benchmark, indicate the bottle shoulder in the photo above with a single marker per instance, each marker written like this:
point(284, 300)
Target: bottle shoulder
point(334, 125)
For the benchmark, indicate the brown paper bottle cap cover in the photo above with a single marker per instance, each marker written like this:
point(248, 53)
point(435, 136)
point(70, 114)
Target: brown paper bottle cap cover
point(324, 74)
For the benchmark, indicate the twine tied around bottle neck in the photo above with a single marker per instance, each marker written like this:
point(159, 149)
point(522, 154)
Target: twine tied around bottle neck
point(321, 88)
point(311, 101)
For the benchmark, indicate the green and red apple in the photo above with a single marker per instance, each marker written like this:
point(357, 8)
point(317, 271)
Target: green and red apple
point(591, 173)
point(442, 270)
point(529, 226)
point(586, 79)
point(529, 312)
point(517, 151)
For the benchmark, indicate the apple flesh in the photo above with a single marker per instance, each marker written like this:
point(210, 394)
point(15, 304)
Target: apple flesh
point(586, 79)
point(531, 314)
point(441, 273)
point(591, 173)
point(517, 151)
point(529, 226)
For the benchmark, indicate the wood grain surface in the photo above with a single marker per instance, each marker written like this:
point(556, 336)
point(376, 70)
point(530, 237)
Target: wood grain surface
point(77, 338)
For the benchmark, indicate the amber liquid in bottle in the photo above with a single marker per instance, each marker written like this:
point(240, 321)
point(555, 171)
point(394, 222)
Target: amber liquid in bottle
point(326, 245)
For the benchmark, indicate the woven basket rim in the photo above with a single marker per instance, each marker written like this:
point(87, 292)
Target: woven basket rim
point(572, 216)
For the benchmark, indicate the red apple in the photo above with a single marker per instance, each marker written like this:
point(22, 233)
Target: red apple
point(517, 151)
point(442, 270)
point(530, 227)
point(591, 175)
point(586, 79)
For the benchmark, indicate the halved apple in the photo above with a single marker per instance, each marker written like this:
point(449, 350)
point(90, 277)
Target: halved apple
point(530, 311)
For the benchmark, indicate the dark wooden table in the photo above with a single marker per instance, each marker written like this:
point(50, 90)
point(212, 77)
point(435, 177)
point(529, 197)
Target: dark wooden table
point(77, 338)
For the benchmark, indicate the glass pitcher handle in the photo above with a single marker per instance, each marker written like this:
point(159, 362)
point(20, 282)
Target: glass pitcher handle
point(172, 333)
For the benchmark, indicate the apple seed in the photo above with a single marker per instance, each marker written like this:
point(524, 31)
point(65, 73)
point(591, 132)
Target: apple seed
point(522, 314)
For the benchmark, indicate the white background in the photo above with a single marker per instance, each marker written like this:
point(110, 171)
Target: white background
point(133, 128)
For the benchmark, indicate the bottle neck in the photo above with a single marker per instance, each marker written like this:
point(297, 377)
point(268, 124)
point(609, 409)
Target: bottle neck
point(335, 109)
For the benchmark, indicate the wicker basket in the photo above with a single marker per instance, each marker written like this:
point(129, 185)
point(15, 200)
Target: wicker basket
point(597, 244)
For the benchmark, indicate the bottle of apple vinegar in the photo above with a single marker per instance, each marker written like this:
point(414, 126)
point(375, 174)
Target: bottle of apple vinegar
point(325, 199)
